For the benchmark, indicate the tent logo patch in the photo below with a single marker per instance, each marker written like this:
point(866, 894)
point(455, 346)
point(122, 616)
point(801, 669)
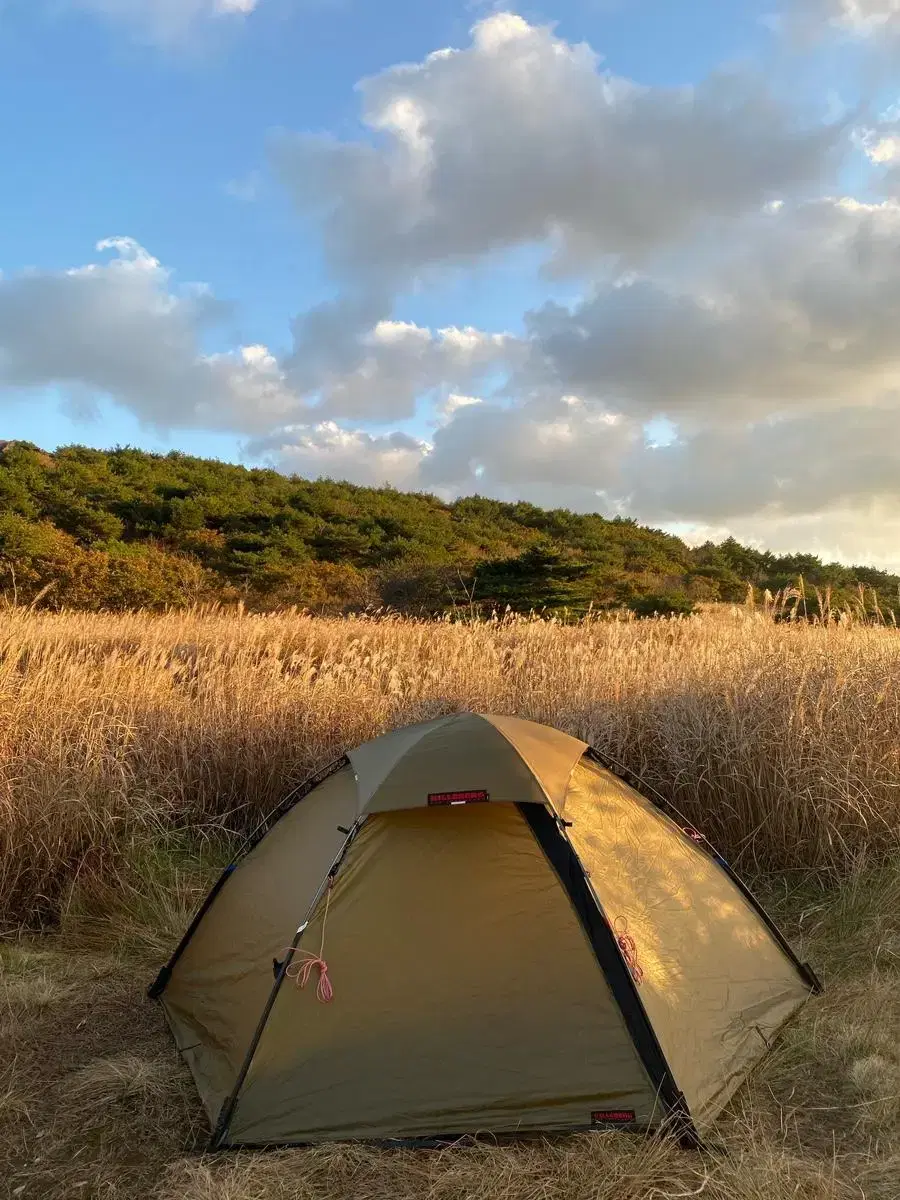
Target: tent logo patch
point(613, 1116)
point(458, 797)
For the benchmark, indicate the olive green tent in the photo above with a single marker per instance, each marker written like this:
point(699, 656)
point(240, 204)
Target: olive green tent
point(498, 934)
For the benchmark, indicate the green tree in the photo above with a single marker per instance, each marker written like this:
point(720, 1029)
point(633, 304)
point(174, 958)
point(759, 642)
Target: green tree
point(542, 578)
point(124, 528)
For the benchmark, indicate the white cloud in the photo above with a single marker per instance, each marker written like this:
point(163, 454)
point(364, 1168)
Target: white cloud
point(868, 534)
point(826, 484)
point(352, 362)
point(453, 403)
point(541, 443)
point(380, 375)
point(325, 450)
point(760, 322)
point(881, 148)
point(246, 189)
point(799, 466)
point(863, 17)
point(870, 26)
point(522, 138)
point(118, 328)
point(880, 142)
point(519, 138)
point(164, 21)
point(778, 361)
point(802, 312)
point(796, 469)
point(544, 445)
point(768, 338)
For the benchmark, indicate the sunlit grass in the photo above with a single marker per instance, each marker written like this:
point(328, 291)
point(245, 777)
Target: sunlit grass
point(782, 742)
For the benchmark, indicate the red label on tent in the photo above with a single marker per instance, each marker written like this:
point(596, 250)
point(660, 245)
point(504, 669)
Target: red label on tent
point(458, 797)
point(612, 1116)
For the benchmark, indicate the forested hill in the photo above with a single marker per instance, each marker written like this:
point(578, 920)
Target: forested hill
point(120, 529)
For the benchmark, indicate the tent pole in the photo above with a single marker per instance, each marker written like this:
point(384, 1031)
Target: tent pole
point(227, 1111)
point(669, 811)
point(158, 986)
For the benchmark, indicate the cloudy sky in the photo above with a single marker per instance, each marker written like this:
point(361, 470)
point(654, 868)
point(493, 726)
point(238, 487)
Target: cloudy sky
point(628, 256)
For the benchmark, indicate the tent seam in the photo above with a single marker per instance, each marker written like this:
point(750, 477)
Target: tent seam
point(534, 774)
point(609, 959)
point(427, 729)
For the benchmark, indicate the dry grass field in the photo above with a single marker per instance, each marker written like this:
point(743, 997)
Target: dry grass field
point(135, 750)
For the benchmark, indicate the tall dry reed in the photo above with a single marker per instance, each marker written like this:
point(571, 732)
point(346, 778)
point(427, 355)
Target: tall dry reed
point(781, 742)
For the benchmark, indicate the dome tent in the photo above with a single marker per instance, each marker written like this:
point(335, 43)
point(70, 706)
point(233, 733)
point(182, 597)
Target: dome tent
point(516, 938)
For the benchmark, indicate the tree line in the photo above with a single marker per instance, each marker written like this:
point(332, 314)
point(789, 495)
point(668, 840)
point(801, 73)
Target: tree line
point(119, 529)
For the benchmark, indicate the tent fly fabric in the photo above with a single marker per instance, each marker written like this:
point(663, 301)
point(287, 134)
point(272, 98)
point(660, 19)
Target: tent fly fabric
point(498, 933)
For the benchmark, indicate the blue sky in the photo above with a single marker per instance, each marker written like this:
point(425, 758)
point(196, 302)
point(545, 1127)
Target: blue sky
point(606, 229)
point(112, 137)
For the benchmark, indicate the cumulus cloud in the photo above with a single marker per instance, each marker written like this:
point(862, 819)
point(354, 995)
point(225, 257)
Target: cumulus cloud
point(863, 18)
point(794, 466)
point(381, 373)
point(521, 138)
point(119, 328)
point(880, 142)
point(543, 442)
point(881, 146)
point(802, 312)
point(867, 16)
point(867, 533)
point(779, 469)
point(326, 450)
point(778, 363)
point(760, 322)
point(828, 483)
point(777, 359)
point(165, 21)
point(547, 446)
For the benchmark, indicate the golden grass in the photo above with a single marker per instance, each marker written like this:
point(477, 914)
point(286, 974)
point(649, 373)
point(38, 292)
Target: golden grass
point(782, 742)
point(126, 1076)
point(133, 750)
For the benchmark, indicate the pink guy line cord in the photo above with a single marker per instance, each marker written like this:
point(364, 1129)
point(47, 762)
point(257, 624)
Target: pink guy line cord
point(305, 962)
